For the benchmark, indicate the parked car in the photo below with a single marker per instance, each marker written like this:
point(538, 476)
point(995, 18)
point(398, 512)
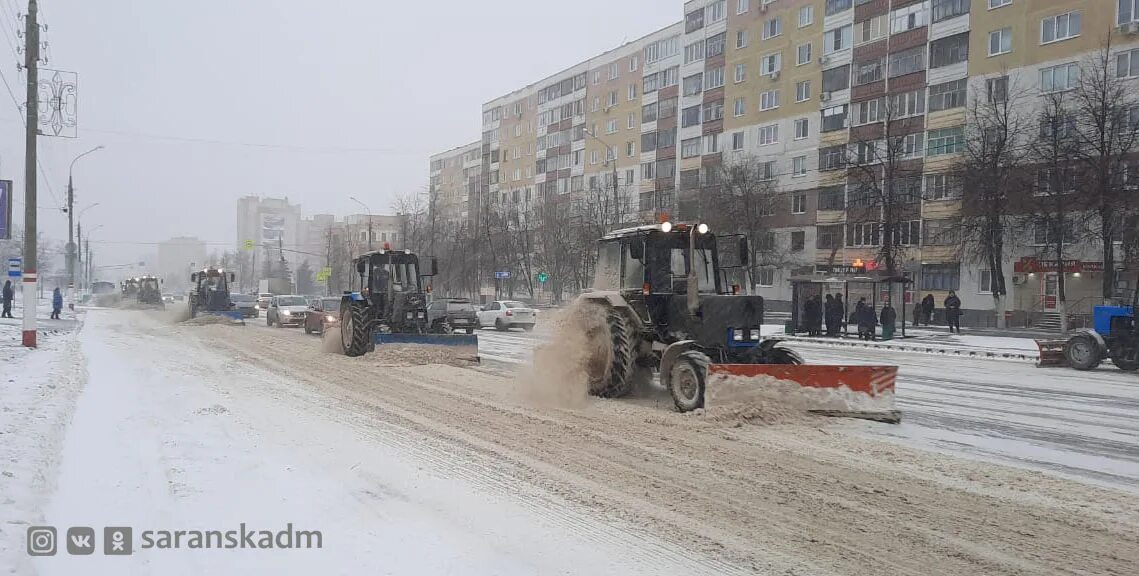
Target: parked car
point(323, 313)
point(447, 315)
point(246, 304)
point(286, 310)
point(507, 314)
point(263, 300)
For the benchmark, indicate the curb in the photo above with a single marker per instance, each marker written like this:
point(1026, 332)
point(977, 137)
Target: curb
point(920, 349)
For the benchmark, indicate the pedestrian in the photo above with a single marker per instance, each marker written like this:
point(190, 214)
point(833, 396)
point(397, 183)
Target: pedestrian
point(867, 321)
point(817, 320)
point(9, 294)
point(888, 318)
point(828, 314)
point(953, 312)
point(839, 313)
point(56, 303)
point(810, 311)
point(919, 311)
point(927, 309)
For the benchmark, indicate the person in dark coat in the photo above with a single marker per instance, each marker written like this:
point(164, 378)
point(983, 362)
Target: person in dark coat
point(817, 325)
point(927, 309)
point(828, 314)
point(9, 294)
point(867, 321)
point(839, 313)
point(889, 318)
point(56, 303)
point(810, 314)
point(919, 311)
point(953, 312)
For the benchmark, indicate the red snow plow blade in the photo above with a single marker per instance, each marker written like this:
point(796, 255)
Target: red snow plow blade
point(865, 392)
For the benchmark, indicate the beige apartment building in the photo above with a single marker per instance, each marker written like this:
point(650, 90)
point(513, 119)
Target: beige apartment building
point(797, 86)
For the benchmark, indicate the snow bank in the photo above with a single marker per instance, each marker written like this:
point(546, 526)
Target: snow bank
point(770, 399)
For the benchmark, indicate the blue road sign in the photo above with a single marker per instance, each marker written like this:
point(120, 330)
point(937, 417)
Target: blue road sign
point(502, 274)
point(15, 267)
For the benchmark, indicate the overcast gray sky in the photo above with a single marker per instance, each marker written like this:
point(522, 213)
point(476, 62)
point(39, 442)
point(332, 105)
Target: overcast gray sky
point(354, 95)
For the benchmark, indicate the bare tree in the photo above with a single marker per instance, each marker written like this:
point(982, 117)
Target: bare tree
point(1106, 113)
point(989, 174)
point(742, 200)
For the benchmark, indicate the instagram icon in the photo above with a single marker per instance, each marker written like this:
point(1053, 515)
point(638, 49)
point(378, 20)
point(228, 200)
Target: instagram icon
point(41, 541)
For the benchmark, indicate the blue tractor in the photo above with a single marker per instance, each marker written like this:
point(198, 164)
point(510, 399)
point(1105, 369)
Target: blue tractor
point(1115, 335)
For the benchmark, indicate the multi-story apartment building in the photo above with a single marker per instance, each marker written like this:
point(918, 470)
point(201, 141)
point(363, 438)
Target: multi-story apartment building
point(805, 91)
point(452, 174)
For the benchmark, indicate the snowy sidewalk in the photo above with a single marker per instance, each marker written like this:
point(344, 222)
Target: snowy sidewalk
point(170, 435)
point(934, 342)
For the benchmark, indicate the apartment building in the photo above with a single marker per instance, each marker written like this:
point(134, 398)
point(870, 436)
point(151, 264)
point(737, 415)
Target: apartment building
point(804, 89)
point(452, 174)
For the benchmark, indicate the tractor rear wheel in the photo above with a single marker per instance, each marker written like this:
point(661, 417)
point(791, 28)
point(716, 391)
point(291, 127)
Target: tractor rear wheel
point(355, 336)
point(1126, 358)
point(686, 380)
point(614, 378)
point(1082, 352)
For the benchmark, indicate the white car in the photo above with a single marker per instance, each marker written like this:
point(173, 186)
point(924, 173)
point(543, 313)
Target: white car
point(286, 311)
point(507, 314)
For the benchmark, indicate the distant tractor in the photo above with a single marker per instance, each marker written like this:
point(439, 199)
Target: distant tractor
point(1114, 335)
point(666, 303)
point(150, 292)
point(130, 288)
point(210, 295)
point(388, 305)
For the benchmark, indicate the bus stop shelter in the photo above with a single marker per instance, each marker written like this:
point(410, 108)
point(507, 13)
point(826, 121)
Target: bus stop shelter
point(874, 286)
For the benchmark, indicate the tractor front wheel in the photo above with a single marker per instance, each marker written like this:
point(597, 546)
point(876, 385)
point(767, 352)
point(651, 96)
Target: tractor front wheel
point(686, 380)
point(355, 337)
point(1082, 352)
point(1126, 358)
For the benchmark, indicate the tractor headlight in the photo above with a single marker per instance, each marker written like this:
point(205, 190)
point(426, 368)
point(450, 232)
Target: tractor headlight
point(330, 318)
point(753, 334)
point(422, 315)
point(410, 315)
point(666, 227)
point(738, 335)
point(702, 228)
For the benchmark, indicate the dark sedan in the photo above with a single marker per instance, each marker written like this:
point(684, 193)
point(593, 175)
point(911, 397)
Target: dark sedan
point(322, 313)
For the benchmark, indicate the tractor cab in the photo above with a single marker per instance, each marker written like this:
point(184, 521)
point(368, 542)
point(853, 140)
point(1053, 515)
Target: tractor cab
point(392, 284)
point(211, 290)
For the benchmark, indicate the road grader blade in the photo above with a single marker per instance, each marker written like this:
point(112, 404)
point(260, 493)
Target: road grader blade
point(865, 392)
point(459, 346)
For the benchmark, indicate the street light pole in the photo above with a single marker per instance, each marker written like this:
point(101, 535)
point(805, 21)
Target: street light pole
point(71, 248)
point(613, 164)
point(369, 211)
point(86, 259)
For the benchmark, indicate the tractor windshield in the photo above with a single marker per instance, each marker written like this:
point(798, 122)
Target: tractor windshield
point(668, 266)
point(401, 271)
point(150, 284)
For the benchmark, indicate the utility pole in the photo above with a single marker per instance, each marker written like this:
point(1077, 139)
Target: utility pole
point(31, 63)
point(328, 262)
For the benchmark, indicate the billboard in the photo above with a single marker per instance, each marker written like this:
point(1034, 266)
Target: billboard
point(5, 209)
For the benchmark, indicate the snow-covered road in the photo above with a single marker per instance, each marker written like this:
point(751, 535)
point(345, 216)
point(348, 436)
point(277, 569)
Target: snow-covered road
point(1079, 424)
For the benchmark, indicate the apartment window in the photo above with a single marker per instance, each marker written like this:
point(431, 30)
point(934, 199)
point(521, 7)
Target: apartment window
point(867, 72)
point(740, 107)
point(946, 9)
point(939, 233)
point(596, 77)
point(864, 234)
point(833, 198)
point(594, 157)
point(907, 62)
point(948, 95)
point(690, 116)
point(741, 6)
point(941, 187)
point(832, 158)
point(738, 140)
point(829, 237)
point(632, 123)
point(651, 83)
point(694, 52)
point(648, 141)
point(716, 11)
point(768, 134)
point(577, 158)
point(741, 73)
point(868, 112)
point(806, 15)
point(713, 111)
point(799, 166)
point(946, 141)
point(837, 39)
point(767, 277)
point(998, 3)
point(647, 171)
point(632, 95)
point(910, 145)
point(741, 39)
point(690, 148)
point(836, 6)
point(836, 79)
point(1060, 27)
point(803, 91)
point(612, 99)
point(767, 172)
point(798, 241)
point(870, 30)
point(907, 233)
point(630, 148)
point(1058, 78)
point(771, 63)
point(611, 126)
point(711, 144)
point(614, 71)
point(714, 78)
point(834, 118)
point(768, 100)
point(949, 50)
point(941, 277)
point(714, 46)
point(799, 204)
point(649, 113)
point(693, 84)
point(1000, 41)
point(803, 54)
point(667, 108)
point(802, 128)
point(1128, 11)
point(986, 282)
point(996, 89)
point(1127, 63)
point(772, 28)
point(908, 18)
